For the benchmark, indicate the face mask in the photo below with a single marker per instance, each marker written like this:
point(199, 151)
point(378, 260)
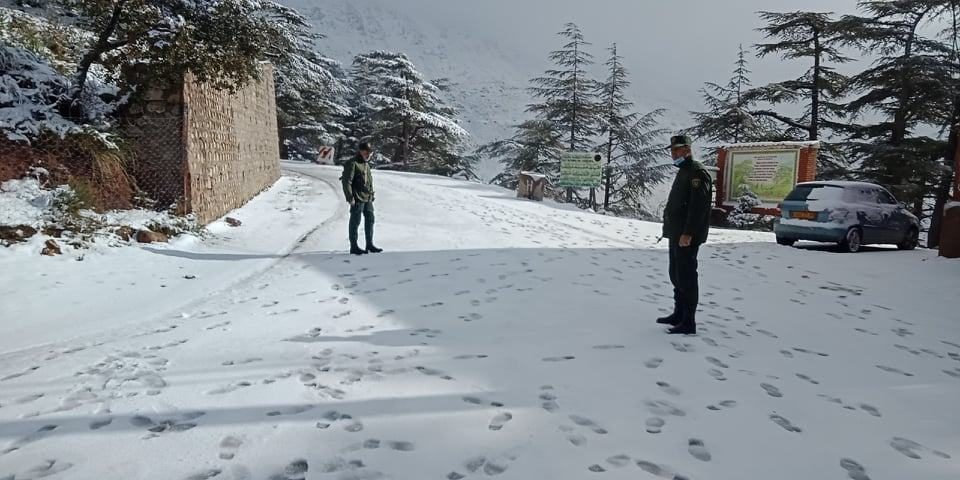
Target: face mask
point(679, 161)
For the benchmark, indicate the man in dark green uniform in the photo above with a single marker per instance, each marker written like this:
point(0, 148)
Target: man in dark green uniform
point(358, 188)
point(686, 223)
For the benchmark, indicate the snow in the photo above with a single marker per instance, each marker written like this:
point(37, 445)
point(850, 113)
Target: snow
point(496, 337)
point(840, 183)
point(950, 205)
point(534, 175)
point(24, 202)
point(807, 144)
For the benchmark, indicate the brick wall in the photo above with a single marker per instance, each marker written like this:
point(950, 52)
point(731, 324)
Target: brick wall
point(806, 172)
point(231, 145)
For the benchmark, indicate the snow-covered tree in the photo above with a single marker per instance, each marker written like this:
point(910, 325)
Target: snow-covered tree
point(404, 116)
point(535, 147)
point(817, 38)
point(728, 117)
point(631, 142)
point(742, 216)
point(312, 93)
point(567, 95)
point(908, 88)
point(141, 42)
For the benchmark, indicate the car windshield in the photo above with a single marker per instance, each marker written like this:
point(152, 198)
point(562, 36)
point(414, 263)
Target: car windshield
point(806, 193)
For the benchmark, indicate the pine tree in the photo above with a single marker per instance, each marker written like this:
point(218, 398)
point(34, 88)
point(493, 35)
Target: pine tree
point(404, 117)
point(144, 42)
point(908, 87)
point(535, 147)
point(312, 94)
point(813, 36)
point(728, 117)
point(567, 94)
point(629, 143)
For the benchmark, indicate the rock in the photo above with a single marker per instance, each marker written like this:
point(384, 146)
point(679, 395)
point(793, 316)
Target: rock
point(51, 248)
point(233, 222)
point(125, 233)
point(146, 236)
point(15, 234)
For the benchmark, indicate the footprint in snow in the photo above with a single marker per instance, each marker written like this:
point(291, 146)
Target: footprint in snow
point(229, 446)
point(870, 409)
point(608, 347)
point(682, 347)
point(771, 390)
point(669, 389)
point(699, 451)
point(807, 378)
point(577, 439)
point(717, 374)
point(664, 408)
point(586, 422)
point(785, 424)
point(655, 425)
point(489, 467)
point(564, 358)
point(717, 362)
point(894, 370)
point(653, 363)
point(619, 461)
point(499, 421)
point(854, 470)
point(292, 410)
point(909, 448)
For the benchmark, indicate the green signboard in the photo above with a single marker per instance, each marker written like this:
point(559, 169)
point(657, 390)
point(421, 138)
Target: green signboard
point(580, 170)
point(769, 174)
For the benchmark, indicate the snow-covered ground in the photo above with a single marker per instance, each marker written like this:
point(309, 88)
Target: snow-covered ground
point(497, 337)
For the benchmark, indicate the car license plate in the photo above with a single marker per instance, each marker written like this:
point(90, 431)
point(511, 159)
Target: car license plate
point(804, 215)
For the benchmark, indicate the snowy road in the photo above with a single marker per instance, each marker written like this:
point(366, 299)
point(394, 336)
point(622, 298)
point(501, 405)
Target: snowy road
point(496, 338)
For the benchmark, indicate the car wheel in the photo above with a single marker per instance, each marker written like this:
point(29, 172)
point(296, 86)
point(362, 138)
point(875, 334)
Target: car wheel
point(853, 241)
point(787, 242)
point(911, 240)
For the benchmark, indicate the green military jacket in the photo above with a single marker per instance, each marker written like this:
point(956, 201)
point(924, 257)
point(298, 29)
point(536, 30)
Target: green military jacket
point(688, 207)
point(357, 180)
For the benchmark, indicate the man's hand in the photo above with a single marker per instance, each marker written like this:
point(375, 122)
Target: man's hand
point(685, 240)
point(351, 202)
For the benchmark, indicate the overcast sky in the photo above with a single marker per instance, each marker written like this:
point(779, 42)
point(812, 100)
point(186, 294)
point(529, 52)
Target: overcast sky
point(672, 47)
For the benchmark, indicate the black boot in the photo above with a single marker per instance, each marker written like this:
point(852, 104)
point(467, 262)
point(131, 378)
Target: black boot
point(373, 249)
point(688, 323)
point(356, 250)
point(672, 319)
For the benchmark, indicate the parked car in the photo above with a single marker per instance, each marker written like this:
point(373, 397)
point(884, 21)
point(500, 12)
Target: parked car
point(851, 214)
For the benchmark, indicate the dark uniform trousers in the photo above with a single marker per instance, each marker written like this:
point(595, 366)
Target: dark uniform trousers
point(683, 275)
point(366, 210)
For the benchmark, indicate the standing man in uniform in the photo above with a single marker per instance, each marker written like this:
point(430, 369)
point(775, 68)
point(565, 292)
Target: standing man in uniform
point(686, 223)
point(358, 188)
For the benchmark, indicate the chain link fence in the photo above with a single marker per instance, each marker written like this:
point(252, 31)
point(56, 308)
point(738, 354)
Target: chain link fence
point(137, 165)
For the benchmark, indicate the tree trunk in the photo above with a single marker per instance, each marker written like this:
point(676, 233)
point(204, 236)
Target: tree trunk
point(102, 46)
point(609, 172)
point(936, 222)
point(815, 95)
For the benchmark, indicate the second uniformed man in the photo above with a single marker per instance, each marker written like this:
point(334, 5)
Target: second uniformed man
point(358, 189)
point(686, 223)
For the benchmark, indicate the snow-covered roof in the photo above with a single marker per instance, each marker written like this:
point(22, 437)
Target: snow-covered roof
point(840, 183)
point(534, 175)
point(732, 146)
